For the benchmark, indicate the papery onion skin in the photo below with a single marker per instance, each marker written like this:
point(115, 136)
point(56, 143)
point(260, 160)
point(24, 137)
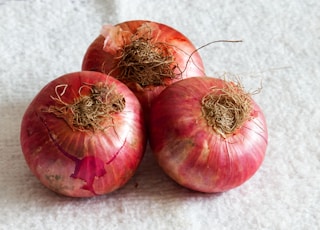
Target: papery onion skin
point(191, 152)
point(82, 163)
point(96, 59)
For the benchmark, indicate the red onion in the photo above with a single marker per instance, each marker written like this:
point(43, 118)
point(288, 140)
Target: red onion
point(83, 134)
point(145, 55)
point(207, 134)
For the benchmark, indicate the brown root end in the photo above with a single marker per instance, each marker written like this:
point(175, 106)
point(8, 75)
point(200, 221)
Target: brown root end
point(146, 62)
point(227, 109)
point(92, 111)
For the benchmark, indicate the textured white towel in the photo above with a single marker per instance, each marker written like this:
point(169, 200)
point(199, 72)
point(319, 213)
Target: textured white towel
point(41, 40)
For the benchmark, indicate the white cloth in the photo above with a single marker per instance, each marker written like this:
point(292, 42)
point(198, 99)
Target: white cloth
point(42, 39)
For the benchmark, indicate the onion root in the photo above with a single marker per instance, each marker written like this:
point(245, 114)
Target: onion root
point(226, 109)
point(89, 111)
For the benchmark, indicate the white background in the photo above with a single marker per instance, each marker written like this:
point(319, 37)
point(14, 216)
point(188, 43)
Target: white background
point(41, 40)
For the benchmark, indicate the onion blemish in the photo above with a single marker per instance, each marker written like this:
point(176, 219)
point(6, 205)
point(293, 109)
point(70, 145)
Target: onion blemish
point(226, 109)
point(91, 110)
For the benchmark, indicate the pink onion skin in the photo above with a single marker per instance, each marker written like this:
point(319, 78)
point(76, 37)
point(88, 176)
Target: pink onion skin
point(95, 57)
point(82, 163)
point(191, 152)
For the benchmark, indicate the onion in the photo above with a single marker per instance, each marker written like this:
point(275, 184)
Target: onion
point(207, 134)
point(147, 56)
point(83, 134)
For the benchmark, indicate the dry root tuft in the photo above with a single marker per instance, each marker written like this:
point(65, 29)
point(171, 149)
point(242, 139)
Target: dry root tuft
point(146, 62)
point(227, 109)
point(92, 111)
